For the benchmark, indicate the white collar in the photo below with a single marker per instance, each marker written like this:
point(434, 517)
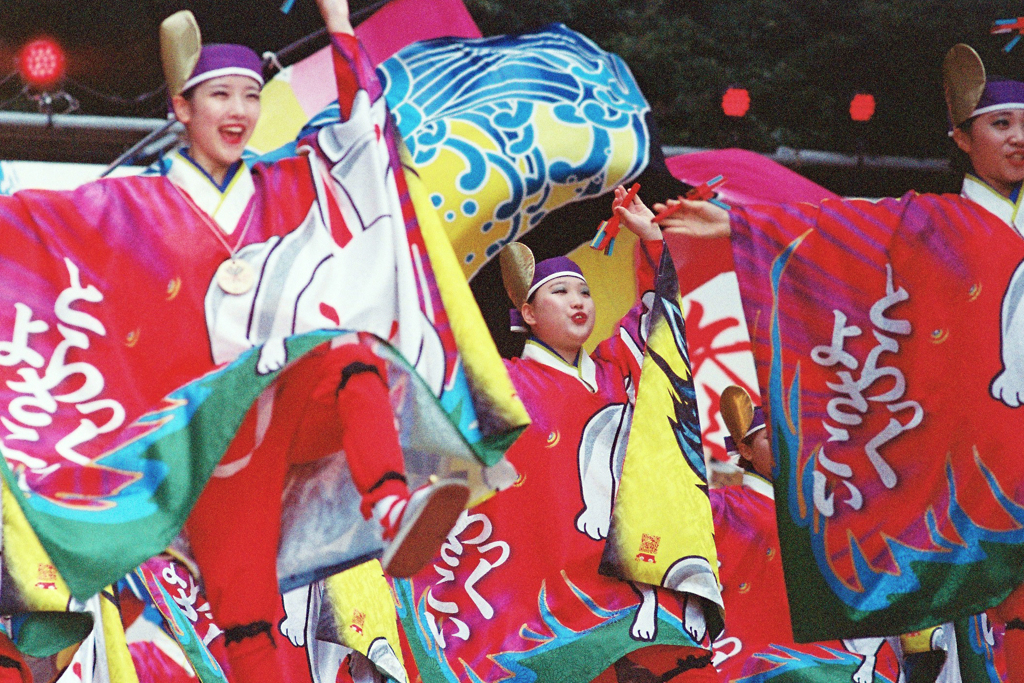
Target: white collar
point(980, 192)
point(225, 208)
point(585, 370)
point(758, 484)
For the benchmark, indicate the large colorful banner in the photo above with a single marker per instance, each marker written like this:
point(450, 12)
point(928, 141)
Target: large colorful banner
point(887, 347)
point(505, 130)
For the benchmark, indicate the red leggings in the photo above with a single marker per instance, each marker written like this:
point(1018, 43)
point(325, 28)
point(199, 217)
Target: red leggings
point(332, 399)
point(13, 668)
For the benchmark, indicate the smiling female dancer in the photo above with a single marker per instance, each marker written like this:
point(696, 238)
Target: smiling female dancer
point(987, 125)
point(335, 400)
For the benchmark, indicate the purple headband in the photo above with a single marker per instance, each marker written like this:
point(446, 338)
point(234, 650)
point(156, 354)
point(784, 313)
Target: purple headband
point(546, 270)
point(1000, 93)
point(756, 425)
point(549, 269)
point(225, 59)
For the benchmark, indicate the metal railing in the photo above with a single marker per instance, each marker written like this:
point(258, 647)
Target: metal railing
point(146, 138)
point(795, 158)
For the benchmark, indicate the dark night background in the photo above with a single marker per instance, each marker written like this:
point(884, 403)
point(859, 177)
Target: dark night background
point(802, 61)
point(112, 45)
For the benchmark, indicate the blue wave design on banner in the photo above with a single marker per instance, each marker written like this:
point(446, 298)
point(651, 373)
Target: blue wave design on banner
point(496, 84)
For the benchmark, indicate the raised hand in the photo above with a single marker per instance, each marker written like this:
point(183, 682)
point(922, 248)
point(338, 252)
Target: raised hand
point(635, 216)
point(335, 14)
point(694, 219)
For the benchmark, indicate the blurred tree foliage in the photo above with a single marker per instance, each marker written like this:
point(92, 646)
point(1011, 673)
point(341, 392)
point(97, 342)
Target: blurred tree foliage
point(801, 60)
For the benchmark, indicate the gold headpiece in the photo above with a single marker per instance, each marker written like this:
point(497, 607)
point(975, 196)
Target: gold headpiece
point(180, 44)
point(963, 80)
point(737, 411)
point(517, 266)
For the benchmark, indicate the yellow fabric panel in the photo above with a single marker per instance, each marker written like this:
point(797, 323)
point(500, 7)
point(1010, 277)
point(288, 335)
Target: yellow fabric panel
point(660, 515)
point(612, 281)
point(281, 119)
point(63, 658)
point(917, 641)
point(38, 583)
point(119, 659)
point(364, 607)
point(488, 380)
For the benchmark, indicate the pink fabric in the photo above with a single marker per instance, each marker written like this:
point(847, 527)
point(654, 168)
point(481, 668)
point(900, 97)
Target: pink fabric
point(307, 82)
point(525, 552)
point(387, 31)
point(153, 665)
point(402, 22)
point(750, 178)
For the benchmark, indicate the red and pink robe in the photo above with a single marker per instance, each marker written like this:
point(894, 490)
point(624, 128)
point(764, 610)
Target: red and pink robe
point(516, 590)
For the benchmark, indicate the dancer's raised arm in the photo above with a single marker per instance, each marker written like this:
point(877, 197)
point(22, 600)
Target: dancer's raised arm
point(694, 219)
point(335, 14)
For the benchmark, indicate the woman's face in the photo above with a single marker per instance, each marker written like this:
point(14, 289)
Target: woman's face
point(995, 144)
point(561, 314)
point(758, 451)
point(220, 118)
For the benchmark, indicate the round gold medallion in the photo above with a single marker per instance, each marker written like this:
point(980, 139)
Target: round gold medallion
point(236, 276)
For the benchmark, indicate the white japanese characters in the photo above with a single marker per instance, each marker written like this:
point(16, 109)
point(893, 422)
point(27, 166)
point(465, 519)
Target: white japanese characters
point(451, 556)
point(852, 401)
point(186, 595)
point(83, 383)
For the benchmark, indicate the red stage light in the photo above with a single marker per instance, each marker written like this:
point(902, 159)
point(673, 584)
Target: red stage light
point(41, 63)
point(736, 102)
point(862, 107)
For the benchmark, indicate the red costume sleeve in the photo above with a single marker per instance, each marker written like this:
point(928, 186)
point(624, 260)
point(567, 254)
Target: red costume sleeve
point(353, 71)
